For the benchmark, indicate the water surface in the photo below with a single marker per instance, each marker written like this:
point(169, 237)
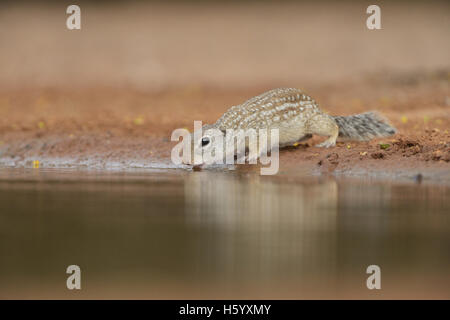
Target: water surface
point(176, 234)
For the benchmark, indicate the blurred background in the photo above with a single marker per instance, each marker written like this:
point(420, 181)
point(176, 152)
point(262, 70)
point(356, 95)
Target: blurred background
point(154, 45)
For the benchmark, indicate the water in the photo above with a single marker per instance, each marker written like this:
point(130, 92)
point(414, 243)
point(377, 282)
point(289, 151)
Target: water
point(236, 234)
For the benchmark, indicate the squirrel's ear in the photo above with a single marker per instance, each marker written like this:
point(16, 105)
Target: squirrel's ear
point(213, 126)
point(223, 130)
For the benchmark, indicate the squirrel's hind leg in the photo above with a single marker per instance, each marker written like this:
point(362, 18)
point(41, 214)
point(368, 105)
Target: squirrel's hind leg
point(324, 125)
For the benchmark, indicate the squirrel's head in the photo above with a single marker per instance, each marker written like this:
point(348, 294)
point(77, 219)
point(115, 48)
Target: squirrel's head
point(208, 146)
point(203, 141)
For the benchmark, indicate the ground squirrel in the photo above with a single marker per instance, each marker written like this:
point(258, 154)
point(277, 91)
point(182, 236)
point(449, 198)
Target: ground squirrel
point(297, 117)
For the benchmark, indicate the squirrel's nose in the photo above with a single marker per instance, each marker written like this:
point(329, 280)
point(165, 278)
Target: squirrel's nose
point(190, 162)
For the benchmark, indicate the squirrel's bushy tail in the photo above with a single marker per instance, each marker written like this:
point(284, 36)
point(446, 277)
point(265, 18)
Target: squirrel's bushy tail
point(363, 127)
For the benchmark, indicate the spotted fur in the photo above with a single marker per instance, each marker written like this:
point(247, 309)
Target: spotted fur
point(297, 117)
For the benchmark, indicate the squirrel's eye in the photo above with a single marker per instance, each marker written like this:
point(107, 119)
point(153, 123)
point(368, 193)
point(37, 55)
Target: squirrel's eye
point(205, 141)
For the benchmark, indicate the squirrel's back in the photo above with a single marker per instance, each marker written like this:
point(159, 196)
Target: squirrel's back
point(296, 113)
point(269, 109)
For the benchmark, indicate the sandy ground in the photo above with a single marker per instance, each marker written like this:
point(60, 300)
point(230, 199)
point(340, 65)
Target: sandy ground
point(109, 95)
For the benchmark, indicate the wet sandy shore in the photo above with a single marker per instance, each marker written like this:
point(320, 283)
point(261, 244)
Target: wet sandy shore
point(109, 96)
point(104, 128)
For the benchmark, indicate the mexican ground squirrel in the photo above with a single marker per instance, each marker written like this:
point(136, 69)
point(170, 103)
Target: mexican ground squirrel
point(298, 117)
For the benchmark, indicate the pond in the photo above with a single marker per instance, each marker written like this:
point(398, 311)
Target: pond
point(213, 234)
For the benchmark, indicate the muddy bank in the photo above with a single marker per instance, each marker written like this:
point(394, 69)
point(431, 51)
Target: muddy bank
point(110, 128)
